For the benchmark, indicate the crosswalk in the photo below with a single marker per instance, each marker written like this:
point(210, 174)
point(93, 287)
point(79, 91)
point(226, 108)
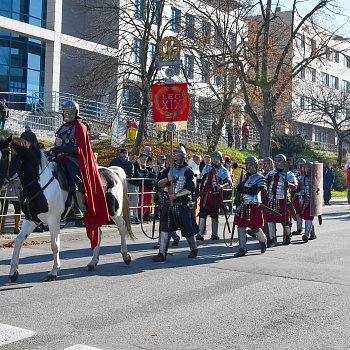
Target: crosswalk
point(11, 334)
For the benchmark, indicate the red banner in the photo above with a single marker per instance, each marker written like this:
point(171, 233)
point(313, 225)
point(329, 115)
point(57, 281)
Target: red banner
point(170, 103)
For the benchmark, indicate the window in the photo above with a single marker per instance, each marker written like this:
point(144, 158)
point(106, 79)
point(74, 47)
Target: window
point(346, 86)
point(299, 101)
point(205, 71)
point(334, 82)
point(156, 15)
point(308, 45)
point(175, 19)
point(140, 9)
point(137, 51)
point(217, 80)
point(189, 25)
point(336, 56)
point(324, 78)
point(310, 74)
point(346, 61)
point(299, 40)
point(152, 51)
point(206, 31)
point(218, 36)
point(308, 103)
point(231, 40)
point(189, 66)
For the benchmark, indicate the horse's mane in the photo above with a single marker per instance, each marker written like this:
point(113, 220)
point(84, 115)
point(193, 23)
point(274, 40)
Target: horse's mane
point(40, 155)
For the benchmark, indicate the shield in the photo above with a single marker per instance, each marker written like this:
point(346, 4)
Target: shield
point(316, 200)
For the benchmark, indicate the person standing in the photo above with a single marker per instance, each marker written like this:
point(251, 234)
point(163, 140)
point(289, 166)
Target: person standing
point(175, 214)
point(245, 134)
point(215, 178)
point(328, 182)
point(248, 213)
point(230, 133)
point(279, 182)
point(4, 113)
point(73, 149)
point(347, 169)
point(29, 135)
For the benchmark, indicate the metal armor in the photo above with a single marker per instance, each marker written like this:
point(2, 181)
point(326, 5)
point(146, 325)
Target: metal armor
point(280, 186)
point(221, 173)
point(65, 142)
point(254, 179)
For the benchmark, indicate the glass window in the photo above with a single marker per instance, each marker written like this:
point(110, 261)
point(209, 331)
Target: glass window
point(189, 66)
point(156, 15)
point(334, 82)
point(218, 37)
point(324, 78)
point(140, 6)
point(5, 5)
point(137, 51)
point(206, 31)
point(346, 86)
point(175, 19)
point(34, 61)
point(299, 41)
point(189, 25)
point(35, 8)
point(152, 51)
point(33, 80)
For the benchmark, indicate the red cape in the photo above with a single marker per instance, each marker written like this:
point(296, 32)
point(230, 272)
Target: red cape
point(96, 206)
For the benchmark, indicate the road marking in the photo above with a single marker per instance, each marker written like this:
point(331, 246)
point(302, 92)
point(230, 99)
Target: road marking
point(81, 347)
point(11, 334)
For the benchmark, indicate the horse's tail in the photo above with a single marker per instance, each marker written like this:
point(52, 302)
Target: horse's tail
point(126, 210)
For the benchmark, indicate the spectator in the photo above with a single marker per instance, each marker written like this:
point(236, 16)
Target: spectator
point(230, 133)
point(328, 181)
point(4, 113)
point(237, 136)
point(148, 151)
point(29, 135)
point(131, 132)
point(12, 190)
point(347, 169)
point(245, 134)
point(123, 161)
point(194, 164)
point(206, 161)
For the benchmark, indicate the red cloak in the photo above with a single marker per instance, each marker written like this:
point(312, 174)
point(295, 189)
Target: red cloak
point(96, 206)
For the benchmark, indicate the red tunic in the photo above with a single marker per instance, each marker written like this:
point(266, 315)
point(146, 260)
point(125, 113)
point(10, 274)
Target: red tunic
point(95, 200)
point(249, 215)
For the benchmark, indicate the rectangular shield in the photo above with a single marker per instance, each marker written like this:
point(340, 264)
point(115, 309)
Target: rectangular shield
point(316, 202)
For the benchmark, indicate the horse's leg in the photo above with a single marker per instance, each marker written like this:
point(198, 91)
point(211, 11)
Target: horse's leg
point(118, 219)
point(96, 253)
point(26, 229)
point(54, 226)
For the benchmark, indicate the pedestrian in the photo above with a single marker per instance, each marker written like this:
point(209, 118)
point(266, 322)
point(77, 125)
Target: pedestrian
point(237, 135)
point(215, 178)
point(132, 130)
point(175, 214)
point(12, 190)
point(204, 162)
point(230, 133)
point(4, 113)
point(347, 169)
point(245, 134)
point(328, 182)
point(248, 212)
point(29, 135)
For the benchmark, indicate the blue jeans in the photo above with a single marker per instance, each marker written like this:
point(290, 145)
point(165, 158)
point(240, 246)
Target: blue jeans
point(2, 123)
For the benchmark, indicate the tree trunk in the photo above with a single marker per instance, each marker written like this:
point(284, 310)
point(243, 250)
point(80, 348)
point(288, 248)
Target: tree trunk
point(136, 150)
point(340, 151)
point(216, 132)
point(265, 136)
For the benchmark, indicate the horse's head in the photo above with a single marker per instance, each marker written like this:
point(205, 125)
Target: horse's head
point(9, 160)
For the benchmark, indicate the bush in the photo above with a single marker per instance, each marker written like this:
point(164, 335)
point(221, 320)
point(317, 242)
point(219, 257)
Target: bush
point(339, 180)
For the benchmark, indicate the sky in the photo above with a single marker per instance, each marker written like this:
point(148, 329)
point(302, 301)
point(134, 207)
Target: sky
point(335, 20)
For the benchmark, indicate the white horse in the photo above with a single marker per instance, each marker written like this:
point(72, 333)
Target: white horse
point(46, 201)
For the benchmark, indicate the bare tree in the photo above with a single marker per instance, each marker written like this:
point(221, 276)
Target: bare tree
point(329, 107)
point(265, 61)
point(130, 69)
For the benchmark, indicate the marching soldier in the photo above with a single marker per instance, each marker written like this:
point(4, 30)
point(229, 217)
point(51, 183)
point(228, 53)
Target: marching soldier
point(174, 211)
point(267, 165)
point(279, 183)
point(309, 191)
point(249, 212)
point(215, 177)
point(298, 172)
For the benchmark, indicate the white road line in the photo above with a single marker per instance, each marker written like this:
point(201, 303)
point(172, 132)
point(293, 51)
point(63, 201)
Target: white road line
point(11, 334)
point(81, 347)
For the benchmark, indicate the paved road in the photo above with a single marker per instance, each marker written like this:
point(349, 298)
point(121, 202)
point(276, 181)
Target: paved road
point(292, 297)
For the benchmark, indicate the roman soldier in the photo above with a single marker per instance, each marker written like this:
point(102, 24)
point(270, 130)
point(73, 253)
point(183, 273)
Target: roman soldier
point(175, 213)
point(73, 150)
point(305, 199)
point(215, 178)
point(299, 173)
point(249, 213)
point(279, 182)
point(267, 165)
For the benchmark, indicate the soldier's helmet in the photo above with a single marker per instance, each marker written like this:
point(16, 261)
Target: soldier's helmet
point(251, 164)
point(217, 158)
point(301, 161)
point(280, 161)
point(70, 111)
point(180, 155)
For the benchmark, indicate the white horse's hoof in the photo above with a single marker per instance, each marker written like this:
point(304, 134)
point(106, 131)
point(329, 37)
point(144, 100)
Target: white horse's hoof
point(90, 267)
point(13, 278)
point(127, 259)
point(50, 278)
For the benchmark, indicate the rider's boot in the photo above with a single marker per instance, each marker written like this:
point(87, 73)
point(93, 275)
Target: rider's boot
point(17, 221)
point(80, 203)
